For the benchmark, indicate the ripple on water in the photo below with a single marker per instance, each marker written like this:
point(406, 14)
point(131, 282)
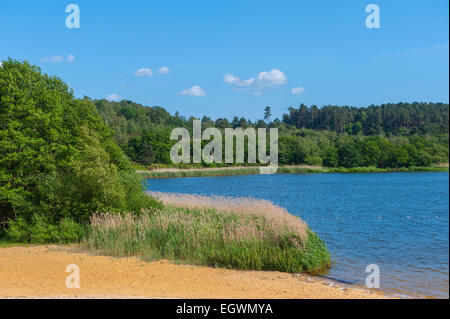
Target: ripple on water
point(399, 221)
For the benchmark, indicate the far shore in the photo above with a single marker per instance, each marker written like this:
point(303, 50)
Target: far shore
point(287, 169)
point(39, 272)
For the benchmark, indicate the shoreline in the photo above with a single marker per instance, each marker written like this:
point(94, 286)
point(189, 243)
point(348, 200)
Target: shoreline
point(131, 277)
point(289, 169)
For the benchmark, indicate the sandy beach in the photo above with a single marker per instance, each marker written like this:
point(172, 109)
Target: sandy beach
point(39, 272)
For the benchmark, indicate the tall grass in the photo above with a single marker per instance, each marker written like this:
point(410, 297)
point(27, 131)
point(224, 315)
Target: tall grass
point(200, 172)
point(249, 208)
point(283, 170)
point(230, 233)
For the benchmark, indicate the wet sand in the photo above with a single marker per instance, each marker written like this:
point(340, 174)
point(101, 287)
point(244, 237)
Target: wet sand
point(39, 272)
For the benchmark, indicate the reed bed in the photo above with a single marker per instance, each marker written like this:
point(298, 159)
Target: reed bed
point(285, 170)
point(238, 233)
point(200, 172)
point(252, 209)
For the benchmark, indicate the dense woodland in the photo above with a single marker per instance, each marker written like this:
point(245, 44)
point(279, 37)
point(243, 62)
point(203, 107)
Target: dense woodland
point(389, 135)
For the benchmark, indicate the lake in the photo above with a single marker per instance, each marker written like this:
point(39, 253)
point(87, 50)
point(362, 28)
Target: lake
point(398, 221)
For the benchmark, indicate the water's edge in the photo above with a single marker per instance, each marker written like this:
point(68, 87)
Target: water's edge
point(392, 216)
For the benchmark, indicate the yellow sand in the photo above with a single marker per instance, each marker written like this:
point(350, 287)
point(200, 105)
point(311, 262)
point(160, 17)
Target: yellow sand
point(39, 272)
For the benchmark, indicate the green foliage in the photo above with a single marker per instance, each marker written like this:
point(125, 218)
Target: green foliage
point(152, 147)
point(331, 136)
point(350, 154)
point(267, 113)
point(387, 119)
point(41, 231)
point(331, 157)
point(58, 158)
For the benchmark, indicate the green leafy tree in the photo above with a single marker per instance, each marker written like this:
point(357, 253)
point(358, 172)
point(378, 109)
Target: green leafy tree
point(267, 114)
point(58, 158)
point(331, 157)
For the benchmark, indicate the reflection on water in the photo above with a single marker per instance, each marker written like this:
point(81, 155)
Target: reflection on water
point(399, 221)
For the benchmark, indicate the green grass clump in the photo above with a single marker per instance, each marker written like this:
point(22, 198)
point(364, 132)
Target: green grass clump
point(7, 244)
point(208, 237)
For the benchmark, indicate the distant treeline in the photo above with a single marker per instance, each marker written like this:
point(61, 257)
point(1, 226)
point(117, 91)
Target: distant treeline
point(391, 135)
point(388, 119)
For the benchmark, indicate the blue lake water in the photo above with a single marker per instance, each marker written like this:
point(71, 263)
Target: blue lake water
point(399, 221)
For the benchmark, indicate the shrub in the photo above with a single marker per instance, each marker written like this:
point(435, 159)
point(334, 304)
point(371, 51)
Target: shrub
point(313, 160)
point(40, 231)
point(331, 157)
point(70, 231)
point(18, 230)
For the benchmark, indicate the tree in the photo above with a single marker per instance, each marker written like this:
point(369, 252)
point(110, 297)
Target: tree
point(58, 158)
point(222, 123)
point(267, 114)
point(349, 155)
point(235, 122)
point(422, 125)
point(370, 153)
point(331, 157)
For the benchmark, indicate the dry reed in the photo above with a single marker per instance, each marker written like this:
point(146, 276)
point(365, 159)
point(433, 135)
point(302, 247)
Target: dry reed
point(240, 233)
point(277, 216)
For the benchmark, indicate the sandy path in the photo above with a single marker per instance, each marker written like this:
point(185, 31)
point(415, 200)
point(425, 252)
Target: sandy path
point(39, 271)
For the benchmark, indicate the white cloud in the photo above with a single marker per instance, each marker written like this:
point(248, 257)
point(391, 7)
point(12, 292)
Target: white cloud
point(56, 58)
point(246, 83)
point(231, 79)
point(71, 58)
point(298, 90)
point(271, 78)
point(164, 70)
point(194, 91)
point(262, 80)
point(143, 73)
point(1, 64)
point(113, 97)
point(53, 59)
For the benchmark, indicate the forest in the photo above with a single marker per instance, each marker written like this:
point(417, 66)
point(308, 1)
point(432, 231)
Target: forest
point(385, 136)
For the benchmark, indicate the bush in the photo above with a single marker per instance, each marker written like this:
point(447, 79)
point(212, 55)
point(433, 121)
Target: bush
point(40, 231)
point(18, 230)
point(331, 157)
point(69, 231)
point(313, 160)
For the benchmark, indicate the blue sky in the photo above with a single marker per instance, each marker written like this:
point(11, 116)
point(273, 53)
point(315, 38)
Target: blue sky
point(267, 48)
